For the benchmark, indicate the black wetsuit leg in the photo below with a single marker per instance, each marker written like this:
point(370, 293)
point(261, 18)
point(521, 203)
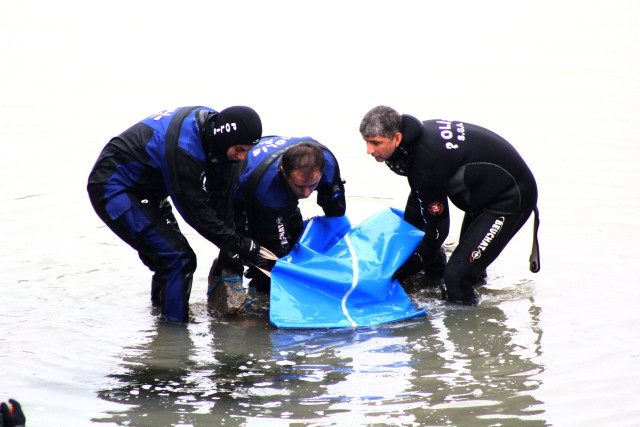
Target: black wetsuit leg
point(484, 236)
point(151, 229)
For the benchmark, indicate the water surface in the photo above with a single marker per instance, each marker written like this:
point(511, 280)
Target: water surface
point(80, 344)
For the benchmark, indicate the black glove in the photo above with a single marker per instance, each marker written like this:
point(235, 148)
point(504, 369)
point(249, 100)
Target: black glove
point(413, 265)
point(265, 264)
point(247, 249)
point(11, 416)
point(229, 261)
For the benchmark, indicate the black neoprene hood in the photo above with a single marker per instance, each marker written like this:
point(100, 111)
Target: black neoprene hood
point(238, 125)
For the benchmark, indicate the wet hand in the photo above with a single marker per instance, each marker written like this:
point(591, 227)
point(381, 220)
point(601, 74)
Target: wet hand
point(413, 265)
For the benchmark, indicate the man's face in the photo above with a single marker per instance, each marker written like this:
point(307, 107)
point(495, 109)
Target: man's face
point(238, 152)
point(381, 147)
point(303, 182)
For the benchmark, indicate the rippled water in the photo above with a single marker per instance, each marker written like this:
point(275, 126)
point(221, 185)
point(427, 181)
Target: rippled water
point(230, 372)
point(79, 343)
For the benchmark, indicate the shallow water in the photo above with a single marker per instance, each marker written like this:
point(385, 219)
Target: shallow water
point(80, 344)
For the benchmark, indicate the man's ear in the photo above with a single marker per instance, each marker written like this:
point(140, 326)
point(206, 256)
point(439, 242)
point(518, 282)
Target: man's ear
point(397, 139)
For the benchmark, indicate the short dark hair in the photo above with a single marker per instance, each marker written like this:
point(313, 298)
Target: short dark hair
point(381, 121)
point(302, 156)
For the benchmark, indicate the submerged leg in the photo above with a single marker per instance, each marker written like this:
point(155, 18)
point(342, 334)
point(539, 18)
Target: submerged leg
point(480, 244)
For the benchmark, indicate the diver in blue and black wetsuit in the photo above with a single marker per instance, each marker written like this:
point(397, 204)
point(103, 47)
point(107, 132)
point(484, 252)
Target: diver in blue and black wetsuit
point(474, 168)
point(275, 175)
point(174, 153)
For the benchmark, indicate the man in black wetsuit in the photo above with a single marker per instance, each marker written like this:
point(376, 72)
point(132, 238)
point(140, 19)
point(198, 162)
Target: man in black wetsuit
point(174, 153)
point(477, 170)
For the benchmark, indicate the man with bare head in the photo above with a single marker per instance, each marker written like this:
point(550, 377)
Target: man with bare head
point(476, 170)
point(275, 175)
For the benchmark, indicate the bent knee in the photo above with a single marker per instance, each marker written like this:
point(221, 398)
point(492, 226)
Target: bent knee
point(184, 260)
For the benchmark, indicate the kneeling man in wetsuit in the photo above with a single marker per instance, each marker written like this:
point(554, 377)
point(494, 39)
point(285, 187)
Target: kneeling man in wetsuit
point(477, 170)
point(274, 176)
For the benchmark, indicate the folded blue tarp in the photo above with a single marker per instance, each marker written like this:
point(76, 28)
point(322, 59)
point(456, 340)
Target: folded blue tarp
point(338, 276)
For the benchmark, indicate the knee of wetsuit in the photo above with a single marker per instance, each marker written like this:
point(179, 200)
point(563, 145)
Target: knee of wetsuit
point(191, 262)
point(184, 260)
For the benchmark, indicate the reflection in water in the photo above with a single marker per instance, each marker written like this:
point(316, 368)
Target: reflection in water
point(458, 366)
point(156, 379)
point(484, 369)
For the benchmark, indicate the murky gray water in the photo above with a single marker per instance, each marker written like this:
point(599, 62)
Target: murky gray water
point(79, 343)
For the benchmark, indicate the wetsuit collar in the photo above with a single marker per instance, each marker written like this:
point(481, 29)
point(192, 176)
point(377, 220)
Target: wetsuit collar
point(401, 159)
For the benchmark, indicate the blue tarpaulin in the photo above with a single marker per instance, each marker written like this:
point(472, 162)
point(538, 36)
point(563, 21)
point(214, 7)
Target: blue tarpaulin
point(338, 276)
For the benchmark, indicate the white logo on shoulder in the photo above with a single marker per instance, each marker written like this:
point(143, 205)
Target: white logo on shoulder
point(164, 113)
point(268, 145)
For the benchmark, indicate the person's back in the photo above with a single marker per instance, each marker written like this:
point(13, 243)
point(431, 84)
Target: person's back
point(261, 176)
point(478, 168)
point(141, 159)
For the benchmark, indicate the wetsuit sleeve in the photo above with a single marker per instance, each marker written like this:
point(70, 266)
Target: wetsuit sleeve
point(331, 197)
point(434, 209)
point(192, 200)
point(412, 213)
point(220, 181)
point(332, 200)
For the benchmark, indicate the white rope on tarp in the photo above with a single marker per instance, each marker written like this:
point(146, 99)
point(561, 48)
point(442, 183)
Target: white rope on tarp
point(354, 283)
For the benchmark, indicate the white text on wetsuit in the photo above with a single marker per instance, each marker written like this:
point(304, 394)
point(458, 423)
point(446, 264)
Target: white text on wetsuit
point(268, 144)
point(281, 232)
point(447, 134)
point(493, 232)
point(224, 128)
point(163, 113)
